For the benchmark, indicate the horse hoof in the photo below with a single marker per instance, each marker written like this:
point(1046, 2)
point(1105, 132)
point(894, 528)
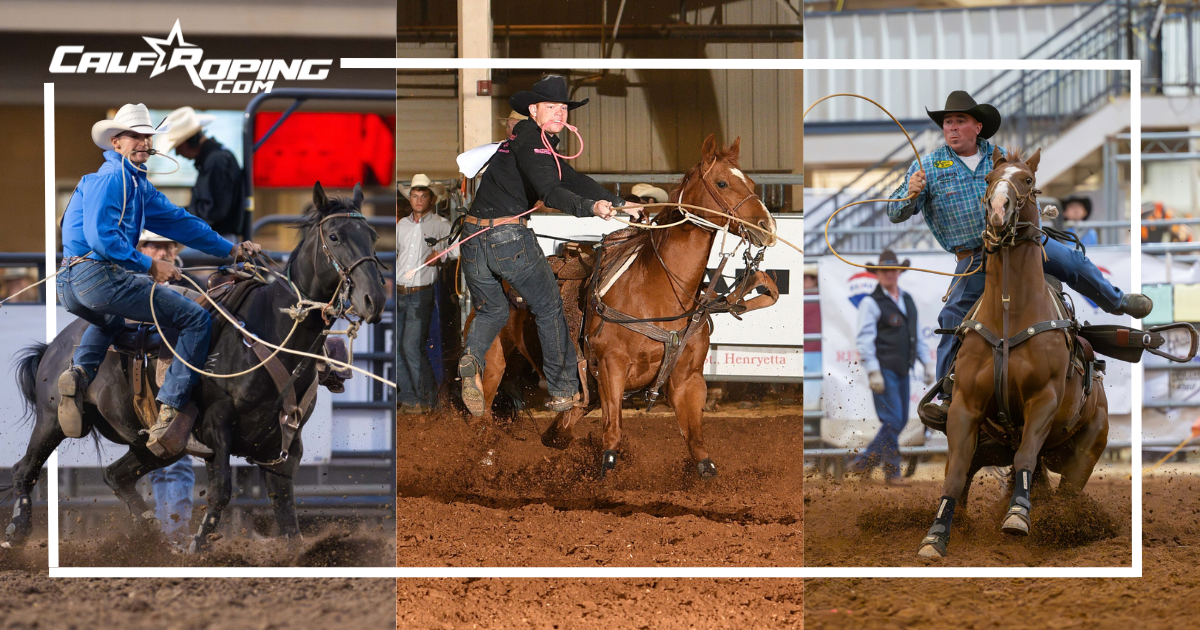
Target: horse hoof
point(707, 469)
point(932, 547)
point(1015, 524)
point(553, 438)
point(607, 463)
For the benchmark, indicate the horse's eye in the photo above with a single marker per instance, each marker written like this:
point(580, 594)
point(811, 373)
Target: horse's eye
point(722, 184)
point(1028, 180)
point(333, 237)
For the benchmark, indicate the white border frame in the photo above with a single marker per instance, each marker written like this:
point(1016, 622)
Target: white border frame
point(1133, 571)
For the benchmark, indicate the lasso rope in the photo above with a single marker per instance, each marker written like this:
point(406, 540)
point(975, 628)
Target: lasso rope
point(910, 197)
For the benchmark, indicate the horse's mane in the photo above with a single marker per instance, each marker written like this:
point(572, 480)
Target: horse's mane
point(1013, 154)
point(313, 215)
point(670, 215)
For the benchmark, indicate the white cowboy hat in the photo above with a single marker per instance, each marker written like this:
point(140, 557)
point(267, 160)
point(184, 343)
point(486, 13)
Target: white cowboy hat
point(185, 123)
point(421, 180)
point(150, 237)
point(646, 190)
point(130, 117)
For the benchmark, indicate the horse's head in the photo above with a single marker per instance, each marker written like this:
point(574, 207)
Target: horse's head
point(335, 259)
point(1011, 189)
point(733, 193)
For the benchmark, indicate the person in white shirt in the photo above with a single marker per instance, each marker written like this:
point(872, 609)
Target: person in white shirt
point(420, 237)
point(889, 345)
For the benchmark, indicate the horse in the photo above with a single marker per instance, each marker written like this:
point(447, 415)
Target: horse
point(1020, 399)
point(654, 308)
point(334, 263)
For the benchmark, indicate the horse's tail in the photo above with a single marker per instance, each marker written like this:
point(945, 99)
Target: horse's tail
point(27, 362)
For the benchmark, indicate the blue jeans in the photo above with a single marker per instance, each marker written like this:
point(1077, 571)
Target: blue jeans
point(1065, 263)
point(173, 497)
point(415, 381)
point(105, 295)
point(892, 407)
point(511, 253)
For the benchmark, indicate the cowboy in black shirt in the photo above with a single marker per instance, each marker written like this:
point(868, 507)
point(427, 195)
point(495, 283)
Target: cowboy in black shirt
point(218, 196)
point(524, 171)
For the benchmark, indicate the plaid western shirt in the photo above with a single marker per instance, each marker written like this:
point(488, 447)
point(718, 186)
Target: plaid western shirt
point(951, 200)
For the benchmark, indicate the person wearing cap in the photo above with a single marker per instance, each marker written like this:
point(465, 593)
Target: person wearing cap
point(648, 193)
point(889, 344)
point(1079, 208)
point(218, 195)
point(98, 281)
point(949, 185)
point(173, 485)
point(420, 237)
point(524, 171)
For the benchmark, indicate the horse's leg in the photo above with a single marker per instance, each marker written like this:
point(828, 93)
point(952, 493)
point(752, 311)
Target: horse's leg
point(280, 484)
point(1089, 445)
point(687, 399)
point(558, 434)
point(612, 387)
point(1039, 420)
point(218, 435)
point(47, 435)
point(962, 431)
point(493, 373)
point(122, 476)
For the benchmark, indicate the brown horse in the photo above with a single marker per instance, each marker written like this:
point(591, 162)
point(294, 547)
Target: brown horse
point(1016, 379)
point(661, 286)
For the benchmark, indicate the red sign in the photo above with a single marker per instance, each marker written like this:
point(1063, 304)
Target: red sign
point(337, 149)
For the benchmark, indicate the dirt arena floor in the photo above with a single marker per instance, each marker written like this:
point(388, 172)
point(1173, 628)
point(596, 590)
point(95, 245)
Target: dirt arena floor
point(472, 496)
point(861, 522)
point(1167, 596)
point(611, 604)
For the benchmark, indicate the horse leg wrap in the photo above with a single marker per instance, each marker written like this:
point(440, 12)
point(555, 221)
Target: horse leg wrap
point(18, 529)
point(607, 462)
point(706, 468)
point(1016, 520)
point(933, 545)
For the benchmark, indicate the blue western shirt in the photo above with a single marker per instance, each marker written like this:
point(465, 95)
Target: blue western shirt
point(93, 221)
point(952, 199)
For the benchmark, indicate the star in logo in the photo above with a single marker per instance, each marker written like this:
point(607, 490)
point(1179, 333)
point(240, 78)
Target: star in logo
point(177, 35)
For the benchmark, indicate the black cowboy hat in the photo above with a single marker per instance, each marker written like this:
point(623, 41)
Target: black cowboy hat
point(551, 89)
point(889, 259)
point(1086, 202)
point(959, 102)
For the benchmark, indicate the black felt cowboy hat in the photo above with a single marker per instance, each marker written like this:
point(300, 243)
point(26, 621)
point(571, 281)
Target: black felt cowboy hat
point(889, 259)
point(551, 89)
point(959, 102)
point(1086, 202)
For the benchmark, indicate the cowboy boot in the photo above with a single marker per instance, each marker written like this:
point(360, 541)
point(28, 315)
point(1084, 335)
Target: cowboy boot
point(559, 404)
point(196, 448)
point(172, 431)
point(72, 387)
point(1135, 305)
point(472, 385)
point(934, 413)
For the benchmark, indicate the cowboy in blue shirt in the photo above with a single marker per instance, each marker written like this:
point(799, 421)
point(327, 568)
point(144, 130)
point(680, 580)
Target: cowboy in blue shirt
point(100, 230)
point(950, 184)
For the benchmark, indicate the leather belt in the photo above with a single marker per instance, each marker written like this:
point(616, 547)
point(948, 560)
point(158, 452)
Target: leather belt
point(962, 252)
point(474, 220)
point(403, 290)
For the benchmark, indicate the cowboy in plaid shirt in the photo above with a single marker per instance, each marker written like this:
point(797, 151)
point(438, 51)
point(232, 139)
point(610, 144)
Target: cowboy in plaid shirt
point(950, 183)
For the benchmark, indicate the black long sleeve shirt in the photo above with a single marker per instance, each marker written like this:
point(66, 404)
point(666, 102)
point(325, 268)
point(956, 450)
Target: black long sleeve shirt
point(218, 196)
point(523, 172)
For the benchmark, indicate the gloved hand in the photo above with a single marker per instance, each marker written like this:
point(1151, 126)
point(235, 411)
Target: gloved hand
point(930, 371)
point(245, 250)
point(875, 379)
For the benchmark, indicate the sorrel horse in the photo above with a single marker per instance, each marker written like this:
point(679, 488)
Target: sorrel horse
point(1016, 379)
point(334, 262)
point(654, 305)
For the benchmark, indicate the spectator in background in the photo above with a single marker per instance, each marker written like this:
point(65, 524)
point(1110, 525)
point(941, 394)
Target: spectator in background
point(811, 284)
point(649, 194)
point(1079, 208)
point(889, 345)
point(420, 237)
point(17, 279)
point(173, 485)
point(219, 196)
point(510, 122)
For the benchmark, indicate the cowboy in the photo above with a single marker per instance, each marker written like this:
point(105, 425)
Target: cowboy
point(420, 238)
point(526, 170)
point(172, 484)
point(889, 345)
point(648, 193)
point(949, 185)
point(97, 282)
point(218, 196)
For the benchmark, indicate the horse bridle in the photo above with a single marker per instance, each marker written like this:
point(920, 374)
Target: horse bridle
point(340, 305)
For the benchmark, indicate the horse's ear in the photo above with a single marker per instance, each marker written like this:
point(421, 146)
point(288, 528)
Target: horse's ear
point(735, 150)
point(358, 196)
point(708, 148)
point(1032, 162)
point(320, 201)
point(997, 156)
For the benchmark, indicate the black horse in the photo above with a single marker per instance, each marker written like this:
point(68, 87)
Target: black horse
point(238, 416)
